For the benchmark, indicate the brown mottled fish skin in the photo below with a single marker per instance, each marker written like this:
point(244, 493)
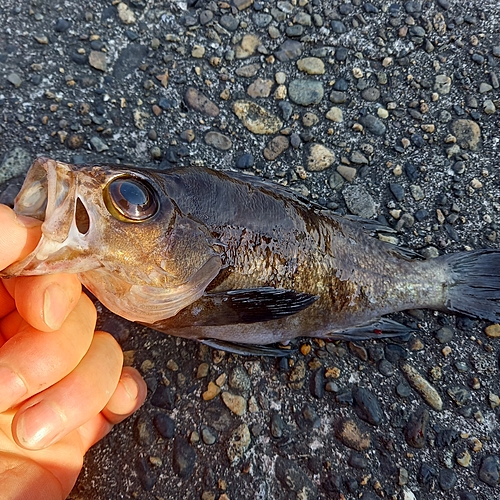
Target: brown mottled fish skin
point(272, 239)
point(216, 233)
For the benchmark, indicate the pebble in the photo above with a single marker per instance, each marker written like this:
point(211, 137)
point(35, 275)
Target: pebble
point(373, 124)
point(423, 387)
point(397, 191)
point(183, 458)
point(237, 404)
point(335, 114)
point(489, 471)
point(218, 141)
point(319, 158)
point(493, 331)
point(289, 51)
point(344, 172)
point(447, 479)
point(164, 425)
point(416, 428)
point(213, 390)
point(256, 118)
point(163, 397)
point(467, 133)
point(367, 406)
point(308, 418)
point(297, 375)
point(248, 70)
point(442, 84)
point(277, 425)
point(200, 103)
point(247, 47)
point(311, 66)
point(276, 147)
point(286, 110)
point(358, 158)
point(62, 25)
point(238, 443)
point(125, 14)
point(305, 92)
point(260, 88)
point(489, 107)
point(352, 436)
point(370, 94)
point(143, 431)
point(208, 435)
point(198, 51)
point(444, 335)
point(262, 20)
point(310, 119)
point(338, 97)
point(460, 395)
point(97, 60)
point(146, 476)
point(246, 160)
point(229, 22)
point(485, 88)
point(338, 27)
point(359, 201)
point(464, 459)
point(15, 79)
point(341, 85)
point(98, 144)
point(317, 384)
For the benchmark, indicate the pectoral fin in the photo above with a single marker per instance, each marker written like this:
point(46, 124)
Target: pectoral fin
point(249, 349)
point(245, 306)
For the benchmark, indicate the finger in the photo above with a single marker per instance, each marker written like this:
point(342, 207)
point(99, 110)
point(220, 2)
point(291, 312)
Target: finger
point(128, 397)
point(21, 478)
point(68, 404)
point(6, 301)
point(19, 236)
point(33, 360)
point(45, 301)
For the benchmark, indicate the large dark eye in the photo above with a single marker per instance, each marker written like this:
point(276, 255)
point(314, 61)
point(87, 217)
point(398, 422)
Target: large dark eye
point(130, 199)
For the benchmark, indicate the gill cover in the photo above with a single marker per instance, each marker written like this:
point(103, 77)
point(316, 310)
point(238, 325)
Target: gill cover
point(121, 233)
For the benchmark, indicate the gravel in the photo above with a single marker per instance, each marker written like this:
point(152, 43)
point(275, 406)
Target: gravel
point(412, 139)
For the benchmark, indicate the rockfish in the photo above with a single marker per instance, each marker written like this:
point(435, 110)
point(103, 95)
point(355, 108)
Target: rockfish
point(235, 262)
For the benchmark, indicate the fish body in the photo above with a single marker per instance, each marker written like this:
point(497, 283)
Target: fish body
point(204, 254)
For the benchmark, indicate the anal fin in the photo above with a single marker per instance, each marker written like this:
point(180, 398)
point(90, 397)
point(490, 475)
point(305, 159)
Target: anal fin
point(249, 349)
point(383, 327)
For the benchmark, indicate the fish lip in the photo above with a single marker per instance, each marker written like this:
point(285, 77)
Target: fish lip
point(48, 194)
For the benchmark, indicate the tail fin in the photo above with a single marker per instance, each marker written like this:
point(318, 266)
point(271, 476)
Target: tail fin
point(474, 289)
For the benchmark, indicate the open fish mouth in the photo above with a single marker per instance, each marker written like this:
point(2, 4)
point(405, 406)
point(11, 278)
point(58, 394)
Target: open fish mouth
point(49, 194)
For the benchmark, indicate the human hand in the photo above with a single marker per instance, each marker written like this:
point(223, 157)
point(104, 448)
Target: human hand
point(62, 386)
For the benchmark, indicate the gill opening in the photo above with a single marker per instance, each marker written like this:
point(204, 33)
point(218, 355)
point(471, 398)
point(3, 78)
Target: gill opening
point(82, 219)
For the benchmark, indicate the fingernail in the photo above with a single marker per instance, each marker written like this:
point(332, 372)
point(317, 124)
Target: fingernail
point(54, 306)
point(130, 387)
point(12, 388)
point(39, 426)
point(27, 222)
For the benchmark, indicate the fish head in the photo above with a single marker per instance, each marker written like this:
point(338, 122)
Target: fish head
point(120, 231)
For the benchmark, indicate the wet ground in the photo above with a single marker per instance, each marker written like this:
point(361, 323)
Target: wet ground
point(378, 109)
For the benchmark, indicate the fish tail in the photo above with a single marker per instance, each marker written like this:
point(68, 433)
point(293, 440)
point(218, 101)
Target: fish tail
point(474, 287)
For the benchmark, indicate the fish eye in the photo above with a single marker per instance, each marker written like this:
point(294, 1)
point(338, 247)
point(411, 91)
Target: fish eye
point(130, 199)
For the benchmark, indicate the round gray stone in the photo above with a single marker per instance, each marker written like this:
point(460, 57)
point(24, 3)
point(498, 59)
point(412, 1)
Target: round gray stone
point(305, 92)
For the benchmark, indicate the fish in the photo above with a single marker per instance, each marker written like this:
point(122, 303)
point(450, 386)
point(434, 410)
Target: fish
point(236, 262)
